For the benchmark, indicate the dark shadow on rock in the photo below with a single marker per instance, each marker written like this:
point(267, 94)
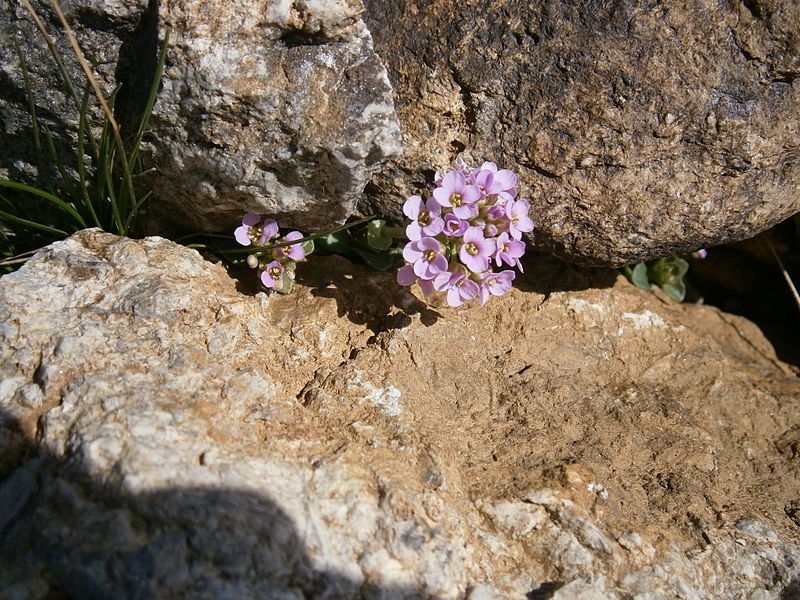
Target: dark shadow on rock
point(545, 274)
point(745, 279)
point(791, 591)
point(375, 299)
point(364, 296)
point(136, 69)
point(65, 534)
point(545, 591)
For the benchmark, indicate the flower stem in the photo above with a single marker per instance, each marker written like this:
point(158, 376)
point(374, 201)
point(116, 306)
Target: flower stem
point(395, 232)
point(314, 236)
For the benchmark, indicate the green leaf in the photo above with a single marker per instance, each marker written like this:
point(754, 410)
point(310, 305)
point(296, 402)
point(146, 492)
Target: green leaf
point(639, 276)
point(82, 130)
point(376, 238)
point(286, 283)
point(37, 143)
point(66, 180)
point(151, 100)
point(334, 243)
point(676, 290)
point(308, 246)
point(669, 269)
point(380, 261)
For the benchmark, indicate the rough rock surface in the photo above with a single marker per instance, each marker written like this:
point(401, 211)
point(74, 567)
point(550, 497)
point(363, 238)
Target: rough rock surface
point(279, 107)
point(640, 129)
point(166, 435)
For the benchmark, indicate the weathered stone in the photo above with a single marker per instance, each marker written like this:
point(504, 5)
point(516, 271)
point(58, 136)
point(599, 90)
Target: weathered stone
point(55, 108)
point(278, 107)
point(640, 130)
point(349, 441)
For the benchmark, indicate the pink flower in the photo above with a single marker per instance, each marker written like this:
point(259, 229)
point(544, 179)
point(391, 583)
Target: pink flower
point(495, 284)
point(407, 277)
point(295, 252)
point(425, 219)
point(457, 195)
point(453, 226)
point(472, 222)
point(517, 213)
point(426, 257)
point(272, 276)
point(460, 288)
point(476, 251)
point(253, 231)
point(509, 251)
point(492, 181)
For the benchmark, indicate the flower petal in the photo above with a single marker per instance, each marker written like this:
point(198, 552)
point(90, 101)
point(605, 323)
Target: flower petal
point(413, 231)
point(426, 286)
point(471, 193)
point(242, 235)
point(505, 179)
point(270, 228)
point(442, 196)
point(412, 207)
point(406, 276)
point(411, 253)
point(251, 219)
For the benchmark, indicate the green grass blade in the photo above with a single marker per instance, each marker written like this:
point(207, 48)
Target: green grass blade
point(56, 158)
point(134, 214)
point(127, 193)
point(151, 100)
point(32, 225)
point(107, 171)
point(37, 142)
point(62, 68)
point(102, 177)
point(82, 126)
point(55, 200)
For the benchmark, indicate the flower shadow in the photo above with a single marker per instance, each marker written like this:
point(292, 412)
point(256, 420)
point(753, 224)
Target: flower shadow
point(364, 296)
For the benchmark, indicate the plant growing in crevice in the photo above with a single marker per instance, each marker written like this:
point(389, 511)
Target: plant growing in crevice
point(96, 187)
point(668, 273)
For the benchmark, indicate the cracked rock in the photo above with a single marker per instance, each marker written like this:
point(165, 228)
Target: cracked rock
point(348, 441)
point(639, 131)
point(274, 107)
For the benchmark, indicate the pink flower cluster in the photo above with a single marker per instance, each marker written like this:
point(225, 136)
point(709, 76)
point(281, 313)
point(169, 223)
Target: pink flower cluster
point(276, 265)
point(472, 222)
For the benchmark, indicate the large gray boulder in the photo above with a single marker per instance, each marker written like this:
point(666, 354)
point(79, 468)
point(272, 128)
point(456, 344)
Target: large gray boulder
point(639, 129)
point(164, 435)
point(275, 107)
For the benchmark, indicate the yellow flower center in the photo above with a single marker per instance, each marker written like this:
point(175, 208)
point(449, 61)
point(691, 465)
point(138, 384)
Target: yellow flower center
point(275, 273)
point(472, 249)
point(429, 255)
point(504, 248)
point(424, 218)
point(455, 199)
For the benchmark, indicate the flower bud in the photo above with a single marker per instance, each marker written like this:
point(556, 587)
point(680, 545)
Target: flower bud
point(252, 261)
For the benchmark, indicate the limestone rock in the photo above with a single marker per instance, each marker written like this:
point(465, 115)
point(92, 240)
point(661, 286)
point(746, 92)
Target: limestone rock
point(276, 107)
point(165, 435)
point(639, 130)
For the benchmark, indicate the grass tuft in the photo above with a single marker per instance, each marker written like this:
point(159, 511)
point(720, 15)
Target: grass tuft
point(103, 192)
